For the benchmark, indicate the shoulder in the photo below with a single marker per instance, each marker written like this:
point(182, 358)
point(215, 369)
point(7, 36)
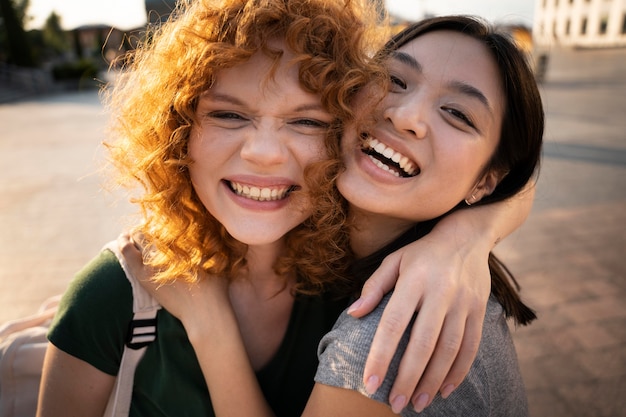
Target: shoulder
point(343, 351)
point(94, 312)
point(493, 385)
point(100, 282)
point(494, 380)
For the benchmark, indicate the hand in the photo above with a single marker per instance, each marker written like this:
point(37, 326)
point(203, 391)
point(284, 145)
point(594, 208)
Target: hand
point(448, 282)
point(189, 302)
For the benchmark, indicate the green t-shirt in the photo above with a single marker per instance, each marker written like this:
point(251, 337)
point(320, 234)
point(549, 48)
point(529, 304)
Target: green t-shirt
point(92, 325)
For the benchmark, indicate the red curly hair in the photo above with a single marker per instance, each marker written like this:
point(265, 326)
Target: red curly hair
point(153, 106)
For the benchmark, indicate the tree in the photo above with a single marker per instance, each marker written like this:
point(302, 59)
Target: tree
point(14, 40)
point(53, 35)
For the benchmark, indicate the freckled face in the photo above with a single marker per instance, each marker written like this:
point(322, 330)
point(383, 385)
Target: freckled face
point(435, 131)
point(254, 139)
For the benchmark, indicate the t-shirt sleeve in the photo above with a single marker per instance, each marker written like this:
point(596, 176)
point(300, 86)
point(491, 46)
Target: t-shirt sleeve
point(343, 351)
point(94, 314)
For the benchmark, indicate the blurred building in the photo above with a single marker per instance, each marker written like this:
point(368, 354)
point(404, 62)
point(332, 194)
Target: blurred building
point(159, 10)
point(580, 23)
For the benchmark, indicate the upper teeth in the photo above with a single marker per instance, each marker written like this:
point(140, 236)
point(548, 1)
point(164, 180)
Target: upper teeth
point(260, 193)
point(403, 162)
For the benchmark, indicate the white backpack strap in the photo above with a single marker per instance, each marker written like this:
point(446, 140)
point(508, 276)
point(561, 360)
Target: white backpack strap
point(142, 332)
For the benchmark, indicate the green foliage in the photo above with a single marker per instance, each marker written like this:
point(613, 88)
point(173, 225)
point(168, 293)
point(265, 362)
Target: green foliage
point(13, 38)
point(76, 70)
point(54, 36)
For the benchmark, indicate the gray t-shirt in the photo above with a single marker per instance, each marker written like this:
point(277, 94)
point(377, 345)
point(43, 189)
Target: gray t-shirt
point(493, 387)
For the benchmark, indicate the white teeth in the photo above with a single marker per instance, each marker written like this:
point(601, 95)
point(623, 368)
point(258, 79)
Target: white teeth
point(404, 162)
point(384, 167)
point(259, 193)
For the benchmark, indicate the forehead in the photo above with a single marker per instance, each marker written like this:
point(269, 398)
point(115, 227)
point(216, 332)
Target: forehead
point(447, 56)
point(262, 73)
point(264, 85)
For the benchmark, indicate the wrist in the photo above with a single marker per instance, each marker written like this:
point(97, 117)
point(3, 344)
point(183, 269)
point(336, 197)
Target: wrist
point(468, 230)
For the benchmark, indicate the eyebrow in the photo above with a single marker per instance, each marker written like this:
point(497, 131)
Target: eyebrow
point(407, 59)
point(227, 98)
point(471, 91)
point(458, 86)
point(223, 97)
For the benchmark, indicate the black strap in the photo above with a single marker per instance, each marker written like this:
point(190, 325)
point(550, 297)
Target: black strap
point(141, 333)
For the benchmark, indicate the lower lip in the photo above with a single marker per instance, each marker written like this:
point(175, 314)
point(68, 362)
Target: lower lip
point(250, 204)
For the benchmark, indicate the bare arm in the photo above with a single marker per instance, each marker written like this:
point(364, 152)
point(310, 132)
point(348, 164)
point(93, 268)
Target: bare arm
point(332, 401)
point(211, 325)
point(445, 277)
point(72, 387)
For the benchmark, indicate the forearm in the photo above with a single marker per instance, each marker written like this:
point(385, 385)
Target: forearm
point(488, 224)
point(228, 373)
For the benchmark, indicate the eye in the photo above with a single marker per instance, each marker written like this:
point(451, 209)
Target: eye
point(226, 115)
point(397, 82)
point(313, 123)
point(457, 114)
point(308, 126)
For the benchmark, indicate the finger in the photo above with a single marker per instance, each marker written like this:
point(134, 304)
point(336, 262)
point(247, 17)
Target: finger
point(128, 248)
point(378, 284)
point(396, 317)
point(466, 356)
point(423, 340)
point(439, 363)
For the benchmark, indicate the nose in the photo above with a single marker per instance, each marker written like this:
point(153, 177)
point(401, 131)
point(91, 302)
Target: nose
point(407, 115)
point(264, 144)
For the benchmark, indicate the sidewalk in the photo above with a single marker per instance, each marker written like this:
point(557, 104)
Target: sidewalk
point(569, 257)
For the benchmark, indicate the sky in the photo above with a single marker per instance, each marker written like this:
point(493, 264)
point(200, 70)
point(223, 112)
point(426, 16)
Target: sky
point(128, 14)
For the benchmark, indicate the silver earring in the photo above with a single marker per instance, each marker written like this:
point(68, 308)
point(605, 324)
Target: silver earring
point(472, 198)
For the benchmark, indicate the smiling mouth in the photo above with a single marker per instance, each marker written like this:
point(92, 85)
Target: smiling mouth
point(261, 193)
point(388, 159)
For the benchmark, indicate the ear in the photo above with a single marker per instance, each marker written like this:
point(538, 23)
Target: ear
point(485, 186)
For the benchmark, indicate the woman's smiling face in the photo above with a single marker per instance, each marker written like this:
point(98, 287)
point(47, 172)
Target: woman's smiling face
point(256, 134)
point(433, 134)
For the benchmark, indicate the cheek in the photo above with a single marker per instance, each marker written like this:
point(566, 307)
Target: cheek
point(310, 150)
point(196, 144)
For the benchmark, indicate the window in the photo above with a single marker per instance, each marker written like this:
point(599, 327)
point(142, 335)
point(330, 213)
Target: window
point(604, 23)
point(624, 25)
point(583, 26)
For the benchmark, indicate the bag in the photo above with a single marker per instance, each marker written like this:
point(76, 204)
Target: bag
point(23, 345)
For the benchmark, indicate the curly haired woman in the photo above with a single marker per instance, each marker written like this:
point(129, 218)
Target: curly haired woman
point(229, 120)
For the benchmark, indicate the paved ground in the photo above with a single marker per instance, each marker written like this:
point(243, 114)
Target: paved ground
point(570, 255)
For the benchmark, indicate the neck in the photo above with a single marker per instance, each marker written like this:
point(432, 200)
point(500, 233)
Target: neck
point(259, 275)
point(374, 231)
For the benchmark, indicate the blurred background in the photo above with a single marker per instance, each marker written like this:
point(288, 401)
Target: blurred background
point(569, 257)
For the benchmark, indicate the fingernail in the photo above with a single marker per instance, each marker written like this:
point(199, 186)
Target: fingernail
point(372, 384)
point(421, 403)
point(398, 404)
point(355, 306)
point(447, 390)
